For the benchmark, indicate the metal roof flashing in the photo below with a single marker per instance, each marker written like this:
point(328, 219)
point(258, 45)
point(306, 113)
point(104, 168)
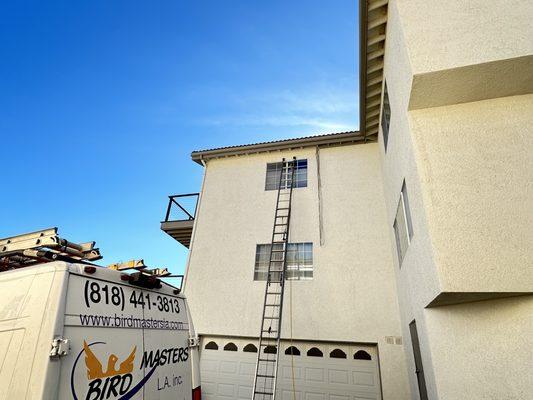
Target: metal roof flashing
point(327, 140)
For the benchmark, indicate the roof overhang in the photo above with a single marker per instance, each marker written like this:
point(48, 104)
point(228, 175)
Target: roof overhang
point(335, 139)
point(372, 32)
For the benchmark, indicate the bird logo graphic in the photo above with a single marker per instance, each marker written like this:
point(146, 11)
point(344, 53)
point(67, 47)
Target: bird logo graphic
point(95, 369)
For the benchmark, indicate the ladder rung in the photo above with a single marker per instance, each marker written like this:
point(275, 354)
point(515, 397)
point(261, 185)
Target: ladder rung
point(274, 293)
point(267, 360)
point(272, 305)
point(266, 376)
point(270, 332)
point(268, 393)
point(271, 318)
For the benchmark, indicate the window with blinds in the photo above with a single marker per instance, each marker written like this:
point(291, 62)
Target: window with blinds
point(274, 171)
point(299, 261)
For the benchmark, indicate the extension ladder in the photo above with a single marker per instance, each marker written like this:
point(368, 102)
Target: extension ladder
point(43, 246)
point(269, 337)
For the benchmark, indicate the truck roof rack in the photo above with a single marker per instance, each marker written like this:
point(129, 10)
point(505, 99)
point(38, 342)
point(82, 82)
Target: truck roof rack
point(43, 246)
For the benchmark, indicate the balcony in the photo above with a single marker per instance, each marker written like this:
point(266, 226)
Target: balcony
point(179, 218)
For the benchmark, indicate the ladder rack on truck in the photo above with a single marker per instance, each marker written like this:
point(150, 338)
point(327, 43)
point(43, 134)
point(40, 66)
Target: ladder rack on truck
point(43, 246)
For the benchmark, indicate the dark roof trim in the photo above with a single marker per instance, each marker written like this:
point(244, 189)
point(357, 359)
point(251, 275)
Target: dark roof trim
point(333, 139)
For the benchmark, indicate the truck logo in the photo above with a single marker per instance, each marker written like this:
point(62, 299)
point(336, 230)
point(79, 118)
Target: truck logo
point(95, 369)
point(111, 382)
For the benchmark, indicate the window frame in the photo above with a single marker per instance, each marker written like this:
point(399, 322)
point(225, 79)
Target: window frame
point(300, 178)
point(301, 268)
point(403, 202)
point(385, 116)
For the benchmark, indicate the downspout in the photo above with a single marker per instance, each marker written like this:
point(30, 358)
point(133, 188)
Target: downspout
point(195, 226)
point(319, 191)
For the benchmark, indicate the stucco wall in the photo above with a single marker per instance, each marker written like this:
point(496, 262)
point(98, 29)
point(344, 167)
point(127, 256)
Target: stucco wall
point(482, 350)
point(352, 296)
point(476, 164)
point(463, 51)
point(467, 168)
point(441, 35)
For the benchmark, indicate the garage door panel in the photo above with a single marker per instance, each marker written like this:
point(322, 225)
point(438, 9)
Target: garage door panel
point(226, 389)
point(228, 367)
point(247, 369)
point(315, 396)
point(363, 378)
point(339, 376)
point(287, 395)
point(314, 375)
point(315, 378)
point(287, 371)
point(245, 392)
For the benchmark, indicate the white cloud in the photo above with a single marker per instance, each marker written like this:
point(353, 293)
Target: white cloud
point(320, 108)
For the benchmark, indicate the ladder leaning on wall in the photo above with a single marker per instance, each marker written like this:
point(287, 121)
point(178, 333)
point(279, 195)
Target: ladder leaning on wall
point(269, 337)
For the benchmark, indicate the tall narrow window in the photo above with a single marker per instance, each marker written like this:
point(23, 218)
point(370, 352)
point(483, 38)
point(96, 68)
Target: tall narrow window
point(273, 175)
point(403, 226)
point(385, 116)
point(419, 369)
point(299, 261)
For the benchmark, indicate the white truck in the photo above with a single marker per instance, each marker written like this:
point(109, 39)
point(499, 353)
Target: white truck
point(73, 330)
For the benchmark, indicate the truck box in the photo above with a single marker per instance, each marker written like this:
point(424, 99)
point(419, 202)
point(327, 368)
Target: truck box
point(76, 331)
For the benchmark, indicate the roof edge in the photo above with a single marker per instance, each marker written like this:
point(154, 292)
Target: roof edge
point(336, 139)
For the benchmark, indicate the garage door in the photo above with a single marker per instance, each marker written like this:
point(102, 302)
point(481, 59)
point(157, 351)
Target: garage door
point(322, 371)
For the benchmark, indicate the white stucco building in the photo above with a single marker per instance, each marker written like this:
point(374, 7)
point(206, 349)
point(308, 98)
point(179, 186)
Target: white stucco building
point(413, 269)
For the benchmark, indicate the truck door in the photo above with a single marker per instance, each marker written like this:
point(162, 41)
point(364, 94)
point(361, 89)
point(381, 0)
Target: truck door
point(126, 342)
point(166, 359)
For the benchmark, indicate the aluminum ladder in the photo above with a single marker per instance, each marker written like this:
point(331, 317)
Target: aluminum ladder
point(269, 337)
point(43, 246)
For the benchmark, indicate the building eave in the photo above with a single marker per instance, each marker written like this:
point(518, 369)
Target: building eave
point(372, 31)
point(334, 139)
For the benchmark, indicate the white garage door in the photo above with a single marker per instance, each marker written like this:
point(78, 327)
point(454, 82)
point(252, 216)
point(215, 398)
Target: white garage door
point(322, 371)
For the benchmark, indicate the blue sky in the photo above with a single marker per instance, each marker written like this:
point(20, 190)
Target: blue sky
point(101, 103)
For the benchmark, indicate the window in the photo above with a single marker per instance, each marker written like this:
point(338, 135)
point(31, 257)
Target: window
point(337, 353)
point(419, 369)
point(385, 117)
point(314, 352)
point(362, 355)
point(230, 347)
point(403, 226)
point(270, 350)
point(273, 175)
point(250, 348)
point(292, 351)
point(211, 346)
point(299, 261)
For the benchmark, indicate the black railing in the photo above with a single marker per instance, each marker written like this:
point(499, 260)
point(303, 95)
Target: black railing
point(188, 215)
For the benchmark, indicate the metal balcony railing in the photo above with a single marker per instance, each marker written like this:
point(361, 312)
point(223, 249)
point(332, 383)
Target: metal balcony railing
point(172, 201)
point(180, 215)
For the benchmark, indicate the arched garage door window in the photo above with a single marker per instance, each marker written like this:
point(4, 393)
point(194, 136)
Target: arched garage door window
point(314, 352)
point(362, 355)
point(211, 346)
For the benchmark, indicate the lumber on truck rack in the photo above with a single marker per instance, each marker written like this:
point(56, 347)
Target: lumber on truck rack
point(43, 246)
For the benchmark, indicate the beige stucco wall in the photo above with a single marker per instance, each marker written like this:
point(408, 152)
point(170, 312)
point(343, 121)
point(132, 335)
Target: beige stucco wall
point(442, 35)
point(482, 350)
point(461, 51)
point(352, 296)
point(476, 166)
point(468, 173)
